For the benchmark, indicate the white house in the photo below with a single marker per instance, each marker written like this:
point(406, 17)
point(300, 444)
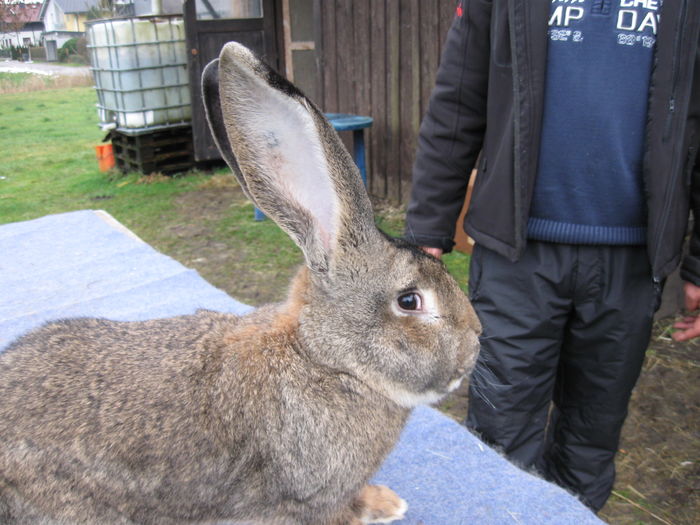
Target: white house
point(20, 24)
point(63, 20)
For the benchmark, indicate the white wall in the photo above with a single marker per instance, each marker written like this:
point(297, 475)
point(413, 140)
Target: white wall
point(17, 39)
point(54, 19)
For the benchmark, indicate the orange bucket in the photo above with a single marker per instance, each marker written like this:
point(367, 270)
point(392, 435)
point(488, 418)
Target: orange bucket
point(105, 156)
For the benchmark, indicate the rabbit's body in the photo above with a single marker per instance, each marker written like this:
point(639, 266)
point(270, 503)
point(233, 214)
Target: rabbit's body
point(164, 436)
point(278, 417)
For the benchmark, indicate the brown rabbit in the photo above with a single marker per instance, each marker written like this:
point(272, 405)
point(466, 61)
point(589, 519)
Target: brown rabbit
point(278, 417)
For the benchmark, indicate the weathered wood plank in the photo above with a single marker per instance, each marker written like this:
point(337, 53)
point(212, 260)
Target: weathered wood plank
point(329, 53)
point(347, 78)
point(430, 49)
point(318, 55)
point(361, 53)
point(410, 90)
point(378, 146)
point(394, 94)
point(379, 58)
point(446, 9)
point(362, 56)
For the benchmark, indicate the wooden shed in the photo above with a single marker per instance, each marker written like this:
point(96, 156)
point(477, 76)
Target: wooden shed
point(368, 57)
point(375, 58)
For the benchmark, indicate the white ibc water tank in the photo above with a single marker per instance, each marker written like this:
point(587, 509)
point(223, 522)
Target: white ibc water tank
point(140, 71)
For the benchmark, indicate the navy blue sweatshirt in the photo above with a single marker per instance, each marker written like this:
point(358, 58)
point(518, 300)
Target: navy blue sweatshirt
point(589, 186)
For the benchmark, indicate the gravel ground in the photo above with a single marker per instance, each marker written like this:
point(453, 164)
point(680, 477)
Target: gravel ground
point(42, 68)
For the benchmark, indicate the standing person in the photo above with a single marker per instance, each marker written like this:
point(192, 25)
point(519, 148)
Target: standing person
point(584, 116)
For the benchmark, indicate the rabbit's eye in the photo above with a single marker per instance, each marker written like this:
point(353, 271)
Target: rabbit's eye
point(410, 301)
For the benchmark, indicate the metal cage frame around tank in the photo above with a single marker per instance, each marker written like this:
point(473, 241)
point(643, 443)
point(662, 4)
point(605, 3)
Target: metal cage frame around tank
point(118, 91)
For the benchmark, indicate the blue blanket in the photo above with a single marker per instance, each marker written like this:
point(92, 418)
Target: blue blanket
point(86, 264)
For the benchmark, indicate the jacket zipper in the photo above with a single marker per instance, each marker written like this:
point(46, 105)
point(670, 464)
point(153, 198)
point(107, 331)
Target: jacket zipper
point(667, 132)
point(517, 88)
point(676, 71)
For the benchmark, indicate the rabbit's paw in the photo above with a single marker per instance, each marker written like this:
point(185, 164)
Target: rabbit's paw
point(379, 504)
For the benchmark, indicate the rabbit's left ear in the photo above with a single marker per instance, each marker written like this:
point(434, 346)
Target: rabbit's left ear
point(212, 107)
point(292, 162)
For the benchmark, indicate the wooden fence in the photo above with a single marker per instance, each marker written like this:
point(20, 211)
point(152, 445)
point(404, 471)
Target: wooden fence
point(379, 58)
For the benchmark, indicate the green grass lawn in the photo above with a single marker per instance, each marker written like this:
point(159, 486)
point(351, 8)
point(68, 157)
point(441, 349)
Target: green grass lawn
point(9, 80)
point(47, 140)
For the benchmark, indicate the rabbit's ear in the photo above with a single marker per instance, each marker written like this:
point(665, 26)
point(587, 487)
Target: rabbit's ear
point(212, 107)
point(291, 159)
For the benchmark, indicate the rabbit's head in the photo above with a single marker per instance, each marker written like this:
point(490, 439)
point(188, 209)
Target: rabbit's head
point(375, 307)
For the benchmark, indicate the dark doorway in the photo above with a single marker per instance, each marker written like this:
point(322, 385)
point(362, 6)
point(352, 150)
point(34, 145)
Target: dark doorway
point(209, 24)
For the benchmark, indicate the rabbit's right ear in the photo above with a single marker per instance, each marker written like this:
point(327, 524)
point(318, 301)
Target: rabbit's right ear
point(290, 160)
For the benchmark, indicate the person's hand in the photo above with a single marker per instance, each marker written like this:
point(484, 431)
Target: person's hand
point(435, 252)
point(689, 327)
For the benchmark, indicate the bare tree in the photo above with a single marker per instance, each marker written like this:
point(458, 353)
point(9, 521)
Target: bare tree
point(13, 17)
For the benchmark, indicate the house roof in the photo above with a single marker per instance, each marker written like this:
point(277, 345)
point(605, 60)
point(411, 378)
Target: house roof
point(77, 6)
point(71, 6)
point(20, 12)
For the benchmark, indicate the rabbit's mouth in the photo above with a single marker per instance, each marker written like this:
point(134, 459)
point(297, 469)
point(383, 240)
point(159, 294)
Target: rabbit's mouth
point(455, 383)
point(460, 374)
point(463, 371)
point(410, 399)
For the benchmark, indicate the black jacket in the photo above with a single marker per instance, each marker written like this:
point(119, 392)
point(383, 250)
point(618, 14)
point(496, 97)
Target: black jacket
point(493, 71)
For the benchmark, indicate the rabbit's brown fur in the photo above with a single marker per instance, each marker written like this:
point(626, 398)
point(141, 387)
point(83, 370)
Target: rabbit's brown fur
point(277, 417)
point(184, 441)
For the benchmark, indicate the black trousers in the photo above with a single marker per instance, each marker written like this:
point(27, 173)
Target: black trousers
point(565, 330)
